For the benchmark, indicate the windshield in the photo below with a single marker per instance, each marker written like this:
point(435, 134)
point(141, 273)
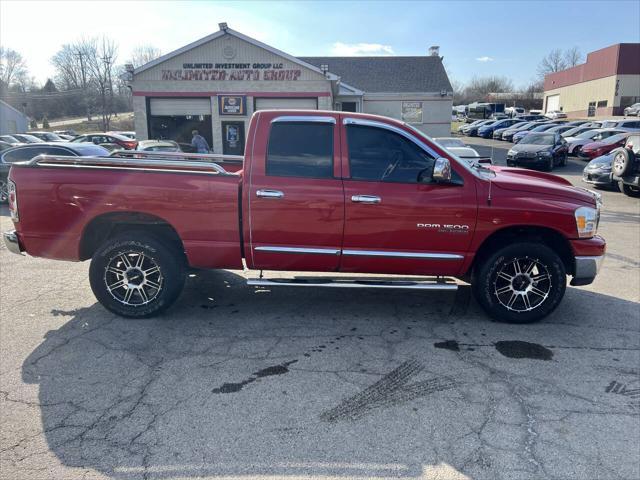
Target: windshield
point(538, 139)
point(576, 131)
point(450, 142)
point(615, 138)
point(588, 134)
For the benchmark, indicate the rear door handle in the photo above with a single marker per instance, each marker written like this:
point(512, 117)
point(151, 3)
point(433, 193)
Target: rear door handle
point(269, 194)
point(365, 199)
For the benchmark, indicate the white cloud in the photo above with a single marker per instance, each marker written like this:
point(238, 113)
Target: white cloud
point(484, 59)
point(360, 49)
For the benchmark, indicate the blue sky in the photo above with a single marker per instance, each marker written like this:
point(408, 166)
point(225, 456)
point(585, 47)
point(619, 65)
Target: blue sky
point(475, 38)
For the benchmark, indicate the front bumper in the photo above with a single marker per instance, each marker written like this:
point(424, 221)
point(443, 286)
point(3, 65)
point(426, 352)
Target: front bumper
point(12, 242)
point(586, 269)
point(597, 177)
point(527, 161)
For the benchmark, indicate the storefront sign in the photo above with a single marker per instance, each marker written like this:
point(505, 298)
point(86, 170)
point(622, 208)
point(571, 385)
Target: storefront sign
point(232, 104)
point(412, 112)
point(232, 71)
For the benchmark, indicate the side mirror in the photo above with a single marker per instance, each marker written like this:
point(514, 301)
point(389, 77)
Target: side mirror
point(442, 171)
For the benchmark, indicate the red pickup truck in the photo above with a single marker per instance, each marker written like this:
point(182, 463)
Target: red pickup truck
point(319, 192)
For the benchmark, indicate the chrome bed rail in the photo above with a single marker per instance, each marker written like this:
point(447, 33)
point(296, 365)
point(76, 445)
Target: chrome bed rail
point(210, 157)
point(157, 163)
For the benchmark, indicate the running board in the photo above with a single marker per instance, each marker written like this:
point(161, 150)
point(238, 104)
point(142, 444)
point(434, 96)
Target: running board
point(429, 283)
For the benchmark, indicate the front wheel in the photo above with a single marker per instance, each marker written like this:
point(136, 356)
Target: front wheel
point(629, 190)
point(520, 283)
point(136, 275)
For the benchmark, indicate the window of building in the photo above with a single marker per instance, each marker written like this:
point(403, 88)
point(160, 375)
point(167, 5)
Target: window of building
point(300, 149)
point(349, 106)
point(591, 111)
point(377, 154)
point(602, 104)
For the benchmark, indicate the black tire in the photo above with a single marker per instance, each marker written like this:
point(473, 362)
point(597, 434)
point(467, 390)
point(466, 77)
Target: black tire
point(576, 151)
point(622, 162)
point(130, 248)
point(565, 158)
point(549, 272)
point(629, 190)
point(4, 191)
point(550, 165)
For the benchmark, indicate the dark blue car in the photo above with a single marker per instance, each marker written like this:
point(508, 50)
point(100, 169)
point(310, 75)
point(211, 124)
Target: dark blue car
point(486, 131)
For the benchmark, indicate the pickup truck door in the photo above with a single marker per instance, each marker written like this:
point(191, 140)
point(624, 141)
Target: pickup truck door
point(295, 196)
point(393, 222)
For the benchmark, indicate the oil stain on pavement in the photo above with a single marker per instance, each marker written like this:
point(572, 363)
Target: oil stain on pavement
point(265, 372)
point(507, 348)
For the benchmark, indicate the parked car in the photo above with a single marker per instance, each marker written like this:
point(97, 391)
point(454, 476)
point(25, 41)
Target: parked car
point(538, 129)
point(577, 130)
point(498, 132)
point(577, 123)
point(29, 151)
point(69, 132)
point(598, 172)
point(472, 131)
point(627, 124)
point(26, 138)
point(143, 231)
point(465, 127)
point(111, 141)
point(626, 166)
point(10, 139)
point(158, 146)
point(604, 146)
point(470, 155)
point(555, 114)
point(545, 150)
point(535, 112)
point(65, 137)
point(4, 145)
point(486, 131)
point(514, 111)
point(532, 117)
point(508, 134)
point(47, 136)
point(632, 111)
point(559, 129)
point(576, 143)
point(447, 142)
point(130, 135)
point(499, 116)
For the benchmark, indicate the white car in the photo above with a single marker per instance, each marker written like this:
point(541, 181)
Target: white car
point(447, 142)
point(576, 143)
point(555, 114)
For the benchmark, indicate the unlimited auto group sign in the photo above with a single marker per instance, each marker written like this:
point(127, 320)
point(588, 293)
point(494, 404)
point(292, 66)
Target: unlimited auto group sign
point(232, 71)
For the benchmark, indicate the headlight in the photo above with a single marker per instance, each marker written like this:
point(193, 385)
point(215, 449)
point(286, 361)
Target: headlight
point(511, 152)
point(587, 219)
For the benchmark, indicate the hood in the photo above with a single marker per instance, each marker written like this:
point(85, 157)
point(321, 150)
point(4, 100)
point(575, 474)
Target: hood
point(520, 179)
point(530, 148)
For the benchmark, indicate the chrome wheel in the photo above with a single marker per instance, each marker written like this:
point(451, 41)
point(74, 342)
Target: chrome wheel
point(4, 191)
point(133, 278)
point(522, 285)
point(618, 162)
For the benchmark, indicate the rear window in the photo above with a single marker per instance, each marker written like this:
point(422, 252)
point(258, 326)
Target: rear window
point(300, 149)
point(22, 154)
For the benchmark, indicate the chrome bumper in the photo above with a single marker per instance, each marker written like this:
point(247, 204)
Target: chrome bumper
point(586, 270)
point(12, 243)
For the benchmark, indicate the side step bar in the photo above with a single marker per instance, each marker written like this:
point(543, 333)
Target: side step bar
point(428, 283)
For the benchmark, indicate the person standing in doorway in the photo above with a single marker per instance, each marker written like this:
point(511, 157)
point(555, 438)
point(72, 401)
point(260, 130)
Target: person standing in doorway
point(199, 143)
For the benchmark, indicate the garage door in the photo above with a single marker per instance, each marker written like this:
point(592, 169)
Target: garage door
point(180, 106)
point(553, 103)
point(286, 103)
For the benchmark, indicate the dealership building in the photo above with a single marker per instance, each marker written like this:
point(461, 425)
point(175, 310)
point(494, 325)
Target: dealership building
point(603, 86)
point(216, 83)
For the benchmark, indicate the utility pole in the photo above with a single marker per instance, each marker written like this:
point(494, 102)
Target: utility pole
point(80, 55)
point(107, 106)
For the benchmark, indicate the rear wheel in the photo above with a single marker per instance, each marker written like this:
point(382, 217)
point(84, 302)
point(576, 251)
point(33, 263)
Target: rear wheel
point(520, 283)
point(136, 275)
point(576, 151)
point(563, 161)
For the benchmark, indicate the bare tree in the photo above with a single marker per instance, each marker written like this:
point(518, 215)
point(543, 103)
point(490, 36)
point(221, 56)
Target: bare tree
point(12, 66)
point(479, 88)
point(572, 57)
point(144, 54)
point(101, 70)
point(553, 62)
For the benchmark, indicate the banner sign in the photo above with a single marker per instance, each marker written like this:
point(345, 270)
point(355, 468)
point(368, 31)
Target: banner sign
point(232, 71)
point(232, 104)
point(412, 112)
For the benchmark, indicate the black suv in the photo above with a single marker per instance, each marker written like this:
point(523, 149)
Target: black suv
point(626, 166)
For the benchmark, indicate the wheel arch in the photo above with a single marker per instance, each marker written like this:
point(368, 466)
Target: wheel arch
point(526, 233)
point(108, 225)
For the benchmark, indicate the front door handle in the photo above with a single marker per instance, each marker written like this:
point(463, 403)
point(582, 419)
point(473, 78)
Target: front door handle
point(269, 194)
point(365, 199)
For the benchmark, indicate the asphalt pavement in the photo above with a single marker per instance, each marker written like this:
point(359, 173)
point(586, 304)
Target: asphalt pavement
point(240, 382)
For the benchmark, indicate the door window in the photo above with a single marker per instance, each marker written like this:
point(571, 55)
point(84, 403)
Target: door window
point(377, 154)
point(22, 154)
point(300, 149)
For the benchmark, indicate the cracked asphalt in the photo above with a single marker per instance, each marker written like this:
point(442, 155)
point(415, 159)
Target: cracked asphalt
point(237, 382)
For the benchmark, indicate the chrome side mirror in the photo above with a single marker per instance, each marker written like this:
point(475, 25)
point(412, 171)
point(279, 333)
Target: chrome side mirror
point(442, 171)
